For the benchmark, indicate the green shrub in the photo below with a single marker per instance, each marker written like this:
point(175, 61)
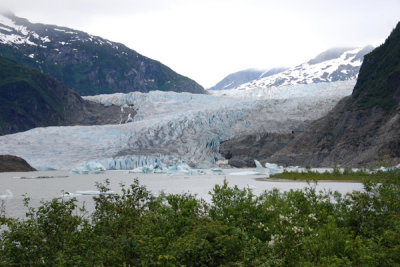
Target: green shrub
point(238, 228)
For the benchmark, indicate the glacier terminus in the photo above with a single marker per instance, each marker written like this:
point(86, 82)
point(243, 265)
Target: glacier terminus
point(174, 127)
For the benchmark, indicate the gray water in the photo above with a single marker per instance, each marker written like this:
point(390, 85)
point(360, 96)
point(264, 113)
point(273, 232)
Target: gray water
point(42, 189)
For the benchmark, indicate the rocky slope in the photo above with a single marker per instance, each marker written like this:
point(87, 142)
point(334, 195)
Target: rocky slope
point(241, 151)
point(85, 63)
point(31, 99)
point(10, 163)
point(236, 79)
point(364, 128)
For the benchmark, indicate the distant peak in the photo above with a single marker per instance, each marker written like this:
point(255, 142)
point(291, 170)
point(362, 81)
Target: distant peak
point(329, 54)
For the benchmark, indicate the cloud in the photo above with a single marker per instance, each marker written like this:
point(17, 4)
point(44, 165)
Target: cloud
point(89, 7)
point(208, 39)
point(81, 12)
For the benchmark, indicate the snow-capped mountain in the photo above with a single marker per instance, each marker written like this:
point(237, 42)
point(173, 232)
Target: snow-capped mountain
point(85, 63)
point(238, 78)
point(337, 64)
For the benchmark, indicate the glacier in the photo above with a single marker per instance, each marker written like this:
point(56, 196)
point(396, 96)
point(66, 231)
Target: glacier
point(172, 127)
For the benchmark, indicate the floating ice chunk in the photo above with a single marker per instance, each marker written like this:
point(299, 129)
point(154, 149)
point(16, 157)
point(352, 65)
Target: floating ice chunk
point(144, 169)
point(70, 194)
point(258, 165)
point(7, 195)
point(260, 169)
point(171, 169)
point(244, 173)
point(44, 169)
point(273, 168)
point(137, 170)
point(182, 168)
point(293, 169)
point(385, 169)
point(87, 193)
point(217, 171)
point(156, 167)
point(41, 177)
point(89, 167)
point(93, 192)
point(148, 169)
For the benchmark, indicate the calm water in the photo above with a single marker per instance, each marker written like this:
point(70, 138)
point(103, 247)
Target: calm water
point(47, 188)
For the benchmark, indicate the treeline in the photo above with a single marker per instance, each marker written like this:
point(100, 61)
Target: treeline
point(346, 174)
point(237, 228)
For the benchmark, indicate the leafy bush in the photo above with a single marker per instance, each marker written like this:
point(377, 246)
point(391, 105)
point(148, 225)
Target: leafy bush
point(238, 228)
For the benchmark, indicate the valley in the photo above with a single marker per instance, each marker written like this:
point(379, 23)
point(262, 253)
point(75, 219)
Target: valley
point(111, 158)
point(251, 115)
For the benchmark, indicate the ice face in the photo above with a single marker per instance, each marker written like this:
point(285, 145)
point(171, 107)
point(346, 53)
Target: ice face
point(171, 127)
point(89, 167)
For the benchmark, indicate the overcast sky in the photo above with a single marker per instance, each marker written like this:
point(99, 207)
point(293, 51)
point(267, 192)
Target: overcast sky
point(208, 39)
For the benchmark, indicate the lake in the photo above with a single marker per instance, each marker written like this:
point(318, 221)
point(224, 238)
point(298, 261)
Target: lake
point(83, 185)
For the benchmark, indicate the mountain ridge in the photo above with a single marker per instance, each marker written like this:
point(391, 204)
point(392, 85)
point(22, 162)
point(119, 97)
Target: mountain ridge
point(336, 64)
point(85, 63)
point(32, 99)
point(238, 78)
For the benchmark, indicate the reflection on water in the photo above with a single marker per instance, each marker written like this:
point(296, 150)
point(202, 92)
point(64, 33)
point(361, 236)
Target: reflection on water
point(42, 186)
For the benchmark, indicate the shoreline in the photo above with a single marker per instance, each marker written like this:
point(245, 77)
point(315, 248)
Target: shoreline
point(267, 179)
